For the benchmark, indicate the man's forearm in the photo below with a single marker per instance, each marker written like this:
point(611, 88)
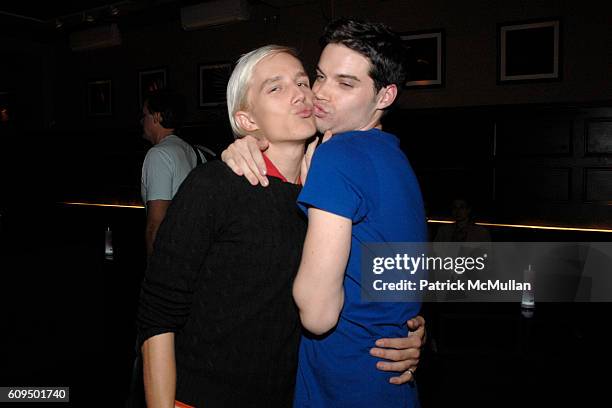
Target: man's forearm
point(156, 212)
point(159, 369)
point(150, 234)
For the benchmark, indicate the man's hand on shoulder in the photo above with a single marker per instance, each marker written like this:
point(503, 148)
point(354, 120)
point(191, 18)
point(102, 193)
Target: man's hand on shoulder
point(245, 158)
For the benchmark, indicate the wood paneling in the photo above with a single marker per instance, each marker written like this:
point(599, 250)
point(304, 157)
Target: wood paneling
point(534, 137)
point(524, 184)
point(523, 164)
point(598, 137)
point(441, 185)
point(598, 185)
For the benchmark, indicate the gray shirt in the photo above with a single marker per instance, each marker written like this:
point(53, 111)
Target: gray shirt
point(165, 167)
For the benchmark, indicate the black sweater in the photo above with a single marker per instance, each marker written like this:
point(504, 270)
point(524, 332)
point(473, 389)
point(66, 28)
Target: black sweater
point(220, 278)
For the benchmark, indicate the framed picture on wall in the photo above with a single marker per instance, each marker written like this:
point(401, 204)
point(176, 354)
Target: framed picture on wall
point(99, 98)
point(212, 82)
point(529, 51)
point(7, 107)
point(426, 58)
point(151, 80)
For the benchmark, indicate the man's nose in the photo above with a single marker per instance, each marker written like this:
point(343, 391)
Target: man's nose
point(300, 94)
point(319, 90)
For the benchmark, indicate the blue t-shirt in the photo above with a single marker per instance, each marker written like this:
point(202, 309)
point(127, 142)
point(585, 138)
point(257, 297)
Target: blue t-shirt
point(364, 176)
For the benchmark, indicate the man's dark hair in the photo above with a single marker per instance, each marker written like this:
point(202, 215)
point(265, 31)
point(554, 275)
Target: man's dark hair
point(383, 47)
point(170, 105)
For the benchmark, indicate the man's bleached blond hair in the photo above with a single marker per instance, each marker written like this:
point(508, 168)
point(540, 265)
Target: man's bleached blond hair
point(240, 81)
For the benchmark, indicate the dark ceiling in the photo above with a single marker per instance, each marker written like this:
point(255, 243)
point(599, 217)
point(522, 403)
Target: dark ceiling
point(51, 10)
point(37, 21)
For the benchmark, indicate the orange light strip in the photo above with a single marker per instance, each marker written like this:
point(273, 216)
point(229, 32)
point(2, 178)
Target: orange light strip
point(542, 227)
point(107, 205)
point(486, 224)
point(441, 222)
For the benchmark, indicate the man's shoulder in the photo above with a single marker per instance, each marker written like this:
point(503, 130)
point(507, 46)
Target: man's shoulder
point(217, 173)
point(338, 148)
point(156, 158)
point(171, 145)
point(213, 168)
point(159, 152)
point(344, 152)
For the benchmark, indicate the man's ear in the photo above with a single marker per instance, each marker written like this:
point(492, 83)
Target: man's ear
point(246, 121)
point(386, 96)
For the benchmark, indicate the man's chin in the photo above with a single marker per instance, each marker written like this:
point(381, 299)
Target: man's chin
point(323, 127)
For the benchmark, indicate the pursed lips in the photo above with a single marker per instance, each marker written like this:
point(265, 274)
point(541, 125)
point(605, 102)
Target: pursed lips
point(319, 111)
point(305, 113)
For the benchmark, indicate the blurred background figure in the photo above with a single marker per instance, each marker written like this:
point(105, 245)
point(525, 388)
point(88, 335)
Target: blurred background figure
point(464, 229)
point(170, 159)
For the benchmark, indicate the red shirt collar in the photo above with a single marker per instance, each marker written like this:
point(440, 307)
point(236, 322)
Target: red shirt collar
point(272, 171)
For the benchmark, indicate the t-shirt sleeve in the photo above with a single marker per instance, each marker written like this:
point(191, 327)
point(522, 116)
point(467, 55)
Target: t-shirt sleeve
point(157, 175)
point(333, 182)
point(180, 250)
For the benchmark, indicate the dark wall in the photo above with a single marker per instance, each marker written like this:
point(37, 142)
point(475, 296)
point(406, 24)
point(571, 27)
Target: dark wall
point(534, 164)
point(552, 162)
point(471, 53)
point(155, 44)
point(471, 48)
point(26, 71)
point(159, 41)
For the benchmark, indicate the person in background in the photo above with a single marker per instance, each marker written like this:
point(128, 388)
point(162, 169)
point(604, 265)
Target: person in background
point(464, 228)
point(168, 162)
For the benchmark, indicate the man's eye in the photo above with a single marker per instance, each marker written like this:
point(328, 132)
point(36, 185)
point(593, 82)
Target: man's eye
point(346, 84)
point(276, 88)
point(303, 84)
point(319, 76)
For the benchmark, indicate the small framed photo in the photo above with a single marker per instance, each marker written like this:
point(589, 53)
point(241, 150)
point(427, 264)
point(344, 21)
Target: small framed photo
point(7, 107)
point(212, 82)
point(151, 80)
point(529, 51)
point(99, 98)
point(426, 58)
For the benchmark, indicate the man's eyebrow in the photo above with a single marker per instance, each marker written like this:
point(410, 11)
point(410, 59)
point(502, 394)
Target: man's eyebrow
point(341, 76)
point(269, 81)
point(301, 74)
point(347, 76)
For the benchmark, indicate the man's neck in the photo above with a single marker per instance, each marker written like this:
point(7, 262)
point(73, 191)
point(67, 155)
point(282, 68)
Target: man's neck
point(287, 157)
point(163, 134)
point(373, 123)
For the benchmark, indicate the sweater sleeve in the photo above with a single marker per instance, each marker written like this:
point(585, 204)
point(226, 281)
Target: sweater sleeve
point(180, 250)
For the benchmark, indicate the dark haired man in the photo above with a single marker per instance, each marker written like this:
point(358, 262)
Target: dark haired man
point(360, 188)
point(346, 101)
point(168, 162)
